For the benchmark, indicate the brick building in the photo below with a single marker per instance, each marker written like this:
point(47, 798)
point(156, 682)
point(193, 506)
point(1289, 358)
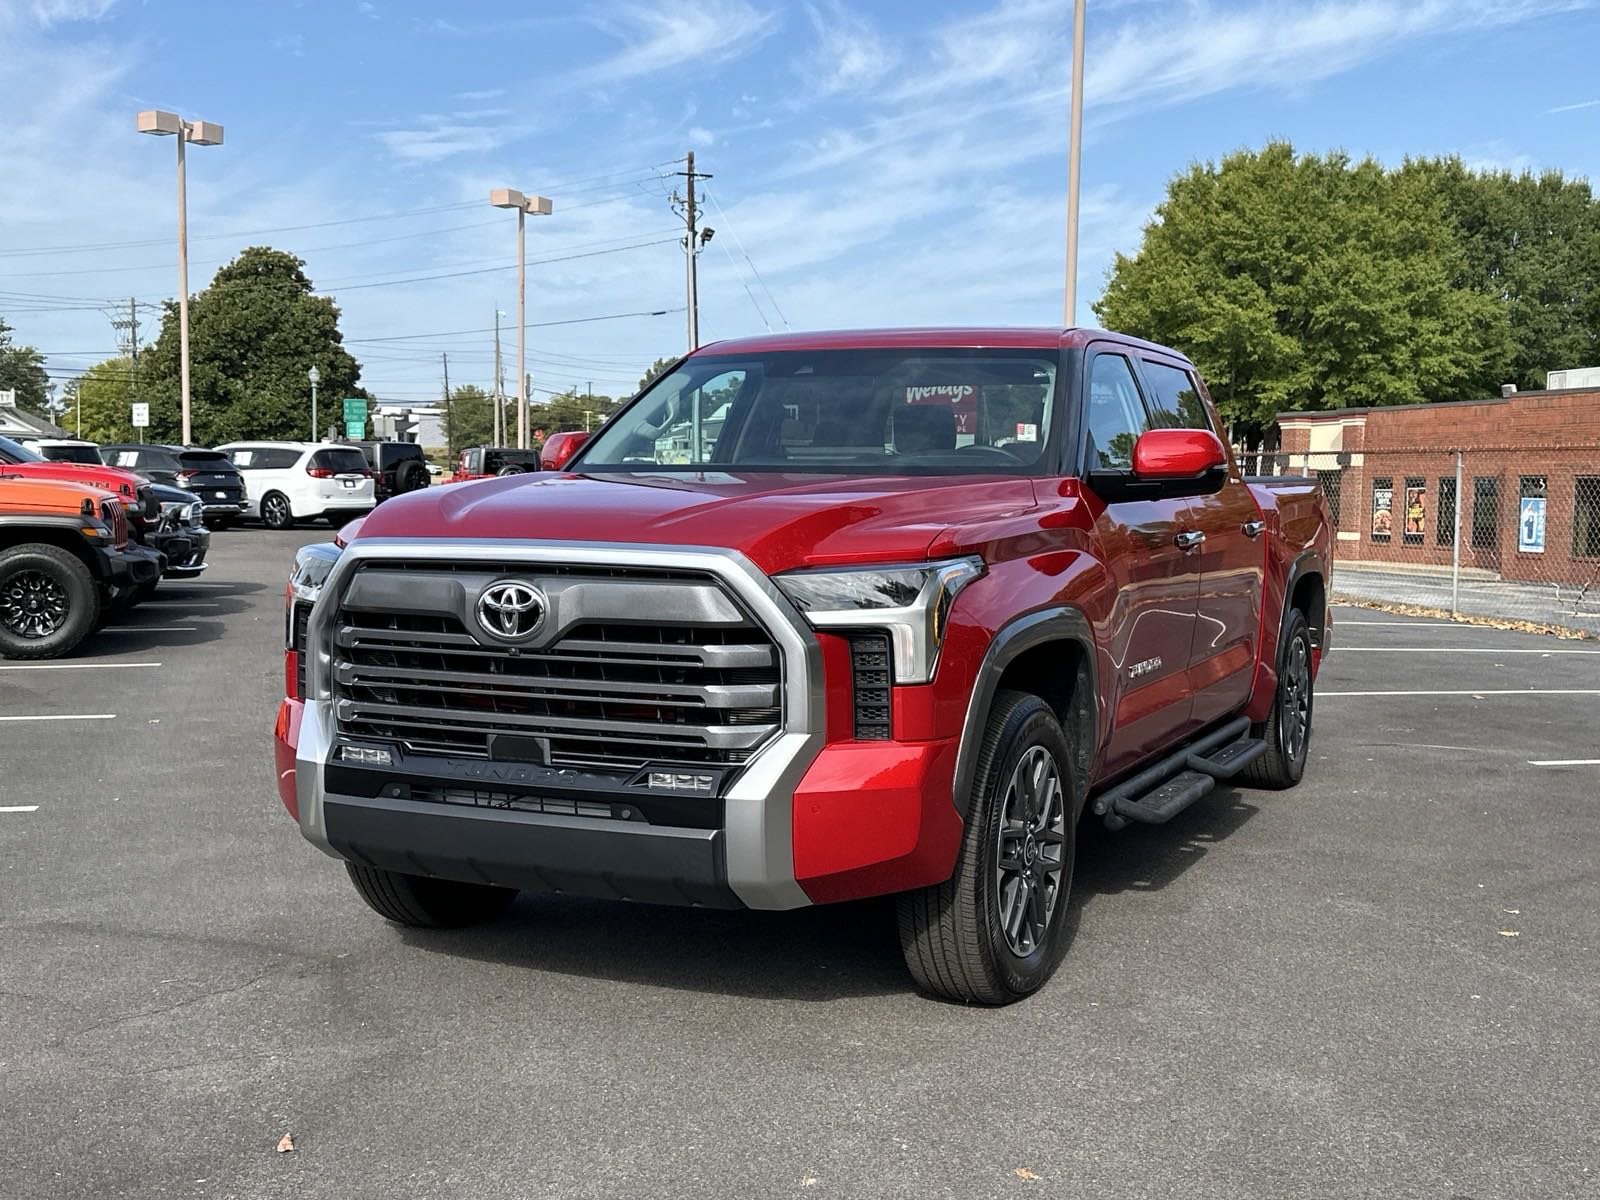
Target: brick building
point(1530, 482)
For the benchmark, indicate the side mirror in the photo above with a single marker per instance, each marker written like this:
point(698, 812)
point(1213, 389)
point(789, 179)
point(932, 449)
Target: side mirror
point(559, 449)
point(1177, 454)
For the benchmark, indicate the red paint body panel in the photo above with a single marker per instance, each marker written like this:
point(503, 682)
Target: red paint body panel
point(111, 479)
point(285, 737)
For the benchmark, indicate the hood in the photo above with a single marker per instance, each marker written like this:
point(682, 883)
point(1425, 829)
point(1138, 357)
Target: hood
point(778, 521)
point(110, 479)
point(19, 495)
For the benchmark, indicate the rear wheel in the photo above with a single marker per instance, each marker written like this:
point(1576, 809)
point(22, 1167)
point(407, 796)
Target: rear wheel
point(275, 511)
point(410, 477)
point(1287, 731)
point(995, 931)
point(48, 601)
point(425, 903)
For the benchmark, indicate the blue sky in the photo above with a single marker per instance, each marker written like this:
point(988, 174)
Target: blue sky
point(882, 163)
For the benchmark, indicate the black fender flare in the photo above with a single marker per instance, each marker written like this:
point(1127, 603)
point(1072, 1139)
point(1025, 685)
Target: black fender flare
point(1015, 638)
point(1309, 562)
point(91, 556)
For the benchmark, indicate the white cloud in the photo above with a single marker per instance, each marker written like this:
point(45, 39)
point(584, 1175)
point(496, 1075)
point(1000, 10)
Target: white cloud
point(368, 9)
point(480, 96)
point(657, 39)
point(1565, 108)
point(61, 12)
point(701, 136)
point(850, 53)
point(439, 139)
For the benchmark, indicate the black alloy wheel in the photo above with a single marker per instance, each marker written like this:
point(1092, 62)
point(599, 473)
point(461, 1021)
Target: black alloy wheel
point(275, 511)
point(33, 604)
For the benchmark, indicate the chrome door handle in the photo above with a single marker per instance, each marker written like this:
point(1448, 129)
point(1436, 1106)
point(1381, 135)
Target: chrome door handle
point(1189, 540)
point(1253, 528)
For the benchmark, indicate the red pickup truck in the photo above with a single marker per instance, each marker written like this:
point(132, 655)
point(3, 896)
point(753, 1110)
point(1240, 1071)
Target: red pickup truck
point(816, 617)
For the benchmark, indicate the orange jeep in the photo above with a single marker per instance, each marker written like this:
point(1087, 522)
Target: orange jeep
point(64, 556)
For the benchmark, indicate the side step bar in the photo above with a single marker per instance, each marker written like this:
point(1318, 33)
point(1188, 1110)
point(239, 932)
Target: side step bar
point(1161, 792)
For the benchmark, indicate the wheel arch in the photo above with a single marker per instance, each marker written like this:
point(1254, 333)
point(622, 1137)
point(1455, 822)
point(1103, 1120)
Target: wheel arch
point(1306, 591)
point(62, 534)
point(1027, 655)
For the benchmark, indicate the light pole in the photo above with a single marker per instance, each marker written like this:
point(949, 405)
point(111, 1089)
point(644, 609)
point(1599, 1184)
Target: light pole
point(1070, 307)
point(539, 206)
point(201, 133)
point(316, 377)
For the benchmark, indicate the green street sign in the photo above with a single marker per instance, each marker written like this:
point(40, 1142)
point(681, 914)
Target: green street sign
point(355, 417)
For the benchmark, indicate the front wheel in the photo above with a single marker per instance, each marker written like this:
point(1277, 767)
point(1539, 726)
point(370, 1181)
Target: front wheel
point(1287, 731)
point(275, 511)
point(425, 903)
point(996, 929)
point(48, 601)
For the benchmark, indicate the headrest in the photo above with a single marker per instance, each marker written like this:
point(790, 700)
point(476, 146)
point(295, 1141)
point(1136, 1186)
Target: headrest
point(923, 427)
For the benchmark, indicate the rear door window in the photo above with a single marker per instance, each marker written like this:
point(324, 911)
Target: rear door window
point(343, 461)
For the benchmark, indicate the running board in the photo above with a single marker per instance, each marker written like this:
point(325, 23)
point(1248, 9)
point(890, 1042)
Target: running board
point(1160, 792)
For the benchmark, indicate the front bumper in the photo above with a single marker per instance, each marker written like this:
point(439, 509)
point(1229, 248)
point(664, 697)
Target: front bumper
point(131, 565)
point(184, 550)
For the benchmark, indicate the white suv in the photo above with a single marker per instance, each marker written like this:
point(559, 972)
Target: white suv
point(300, 481)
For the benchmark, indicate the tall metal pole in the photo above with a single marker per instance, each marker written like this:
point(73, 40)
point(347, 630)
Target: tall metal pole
point(499, 387)
point(314, 411)
point(1455, 551)
point(522, 329)
point(1070, 309)
point(183, 282)
point(693, 253)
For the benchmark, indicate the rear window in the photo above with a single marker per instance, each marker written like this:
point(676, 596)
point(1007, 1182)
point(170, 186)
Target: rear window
point(205, 460)
point(89, 455)
point(344, 461)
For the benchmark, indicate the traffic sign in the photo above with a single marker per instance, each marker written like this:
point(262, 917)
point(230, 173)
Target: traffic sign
point(355, 416)
point(141, 416)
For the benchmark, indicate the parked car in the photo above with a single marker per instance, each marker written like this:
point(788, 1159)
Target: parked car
point(181, 534)
point(397, 467)
point(133, 492)
point(65, 555)
point(559, 448)
point(921, 600)
point(485, 462)
point(206, 473)
point(301, 481)
point(65, 450)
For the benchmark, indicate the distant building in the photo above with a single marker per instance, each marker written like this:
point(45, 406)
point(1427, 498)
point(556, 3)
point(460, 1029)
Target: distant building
point(421, 423)
point(14, 423)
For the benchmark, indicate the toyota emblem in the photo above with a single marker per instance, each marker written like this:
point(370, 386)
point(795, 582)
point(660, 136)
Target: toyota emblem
point(511, 610)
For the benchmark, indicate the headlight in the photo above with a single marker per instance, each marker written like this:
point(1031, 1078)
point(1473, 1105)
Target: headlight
point(910, 603)
point(195, 514)
point(312, 566)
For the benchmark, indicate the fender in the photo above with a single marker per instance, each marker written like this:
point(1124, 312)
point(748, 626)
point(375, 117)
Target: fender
point(94, 559)
point(1308, 563)
point(1014, 639)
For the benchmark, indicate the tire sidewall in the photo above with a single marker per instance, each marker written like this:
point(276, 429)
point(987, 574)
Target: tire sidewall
point(1299, 630)
point(83, 607)
point(1030, 724)
point(267, 507)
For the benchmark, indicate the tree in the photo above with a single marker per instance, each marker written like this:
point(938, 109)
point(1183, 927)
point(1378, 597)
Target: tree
point(1531, 242)
point(22, 370)
point(573, 409)
point(100, 402)
point(1309, 282)
point(253, 335)
point(469, 418)
point(656, 368)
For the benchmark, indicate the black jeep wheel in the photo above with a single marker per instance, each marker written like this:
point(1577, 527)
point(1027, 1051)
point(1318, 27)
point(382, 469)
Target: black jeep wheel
point(275, 511)
point(1287, 731)
point(427, 903)
point(995, 931)
point(48, 601)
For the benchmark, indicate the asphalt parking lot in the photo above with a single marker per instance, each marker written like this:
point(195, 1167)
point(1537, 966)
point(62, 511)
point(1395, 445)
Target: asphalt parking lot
point(1385, 982)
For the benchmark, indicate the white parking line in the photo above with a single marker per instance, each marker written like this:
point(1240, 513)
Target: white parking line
point(1564, 762)
point(1410, 624)
point(181, 604)
point(1449, 650)
point(73, 666)
point(19, 808)
point(67, 717)
point(1476, 692)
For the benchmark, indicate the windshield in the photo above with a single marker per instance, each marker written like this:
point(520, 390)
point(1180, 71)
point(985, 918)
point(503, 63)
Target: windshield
point(11, 452)
point(858, 412)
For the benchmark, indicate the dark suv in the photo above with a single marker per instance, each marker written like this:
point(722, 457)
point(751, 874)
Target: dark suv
point(397, 467)
point(209, 474)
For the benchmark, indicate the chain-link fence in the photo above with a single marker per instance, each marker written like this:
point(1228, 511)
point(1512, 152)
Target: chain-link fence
point(1494, 532)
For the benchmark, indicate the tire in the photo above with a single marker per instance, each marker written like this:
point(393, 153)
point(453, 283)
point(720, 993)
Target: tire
point(951, 933)
point(424, 903)
point(275, 511)
point(35, 574)
point(1287, 731)
point(411, 476)
point(511, 470)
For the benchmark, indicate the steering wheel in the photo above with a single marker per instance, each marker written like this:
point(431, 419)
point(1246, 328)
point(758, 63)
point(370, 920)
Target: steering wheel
point(991, 451)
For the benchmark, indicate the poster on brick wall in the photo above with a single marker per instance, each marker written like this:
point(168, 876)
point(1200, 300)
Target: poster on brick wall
point(1382, 509)
point(1530, 525)
point(1416, 509)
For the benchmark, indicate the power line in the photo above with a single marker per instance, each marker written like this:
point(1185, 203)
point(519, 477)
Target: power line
point(407, 337)
point(723, 217)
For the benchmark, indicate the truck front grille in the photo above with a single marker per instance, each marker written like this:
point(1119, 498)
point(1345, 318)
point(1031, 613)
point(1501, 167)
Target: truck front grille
point(609, 693)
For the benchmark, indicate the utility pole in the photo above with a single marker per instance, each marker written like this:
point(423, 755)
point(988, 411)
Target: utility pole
point(1074, 157)
point(449, 418)
point(693, 243)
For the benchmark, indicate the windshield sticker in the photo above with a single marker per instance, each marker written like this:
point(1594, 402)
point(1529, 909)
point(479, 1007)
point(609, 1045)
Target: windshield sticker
point(1027, 431)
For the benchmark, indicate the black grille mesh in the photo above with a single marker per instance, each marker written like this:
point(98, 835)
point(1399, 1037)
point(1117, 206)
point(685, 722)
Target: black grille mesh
point(871, 677)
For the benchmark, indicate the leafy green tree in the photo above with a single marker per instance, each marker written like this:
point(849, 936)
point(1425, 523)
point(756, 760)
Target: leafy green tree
point(656, 368)
point(22, 371)
point(100, 402)
point(1308, 282)
point(573, 409)
point(469, 418)
point(1531, 242)
point(253, 335)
